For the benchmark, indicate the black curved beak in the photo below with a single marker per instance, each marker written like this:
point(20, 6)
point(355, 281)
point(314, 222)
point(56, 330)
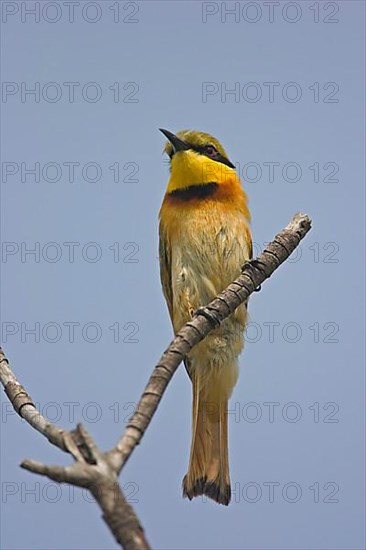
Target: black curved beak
point(178, 144)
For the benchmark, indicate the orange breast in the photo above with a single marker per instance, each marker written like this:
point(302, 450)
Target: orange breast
point(207, 203)
point(208, 240)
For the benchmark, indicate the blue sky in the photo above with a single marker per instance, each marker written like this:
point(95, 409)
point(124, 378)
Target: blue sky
point(282, 88)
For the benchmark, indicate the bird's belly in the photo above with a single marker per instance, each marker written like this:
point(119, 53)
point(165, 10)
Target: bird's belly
point(204, 262)
point(205, 259)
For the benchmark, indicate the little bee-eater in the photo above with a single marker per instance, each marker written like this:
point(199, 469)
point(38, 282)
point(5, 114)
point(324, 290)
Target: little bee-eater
point(204, 240)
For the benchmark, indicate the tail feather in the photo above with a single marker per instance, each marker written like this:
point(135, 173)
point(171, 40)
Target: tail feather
point(208, 472)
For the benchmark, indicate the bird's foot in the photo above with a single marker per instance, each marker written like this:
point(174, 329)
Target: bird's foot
point(208, 314)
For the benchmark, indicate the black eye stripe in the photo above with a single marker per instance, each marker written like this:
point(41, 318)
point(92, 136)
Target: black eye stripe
point(218, 157)
point(201, 149)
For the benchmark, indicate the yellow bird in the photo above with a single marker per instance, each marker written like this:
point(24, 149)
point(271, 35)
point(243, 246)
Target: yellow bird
point(204, 240)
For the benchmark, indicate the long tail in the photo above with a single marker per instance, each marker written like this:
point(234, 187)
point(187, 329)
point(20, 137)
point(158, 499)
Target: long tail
point(208, 472)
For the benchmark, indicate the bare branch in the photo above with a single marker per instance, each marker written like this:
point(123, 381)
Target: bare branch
point(98, 471)
point(24, 406)
point(254, 273)
point(92, 468)
point(101, 480)
point(120, 516)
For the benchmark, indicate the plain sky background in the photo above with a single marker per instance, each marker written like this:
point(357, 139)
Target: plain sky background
point(311, 369)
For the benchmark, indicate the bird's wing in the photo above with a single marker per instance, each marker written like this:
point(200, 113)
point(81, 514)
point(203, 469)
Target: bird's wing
point(166, 279)
point(166, 270)
point(248, 241)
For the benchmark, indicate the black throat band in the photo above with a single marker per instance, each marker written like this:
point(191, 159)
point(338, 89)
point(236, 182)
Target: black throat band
point(200, 191)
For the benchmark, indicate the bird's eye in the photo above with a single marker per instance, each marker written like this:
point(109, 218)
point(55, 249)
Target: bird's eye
point(211, 151)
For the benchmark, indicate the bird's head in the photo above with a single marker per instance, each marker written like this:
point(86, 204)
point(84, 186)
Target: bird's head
point(196, 158)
